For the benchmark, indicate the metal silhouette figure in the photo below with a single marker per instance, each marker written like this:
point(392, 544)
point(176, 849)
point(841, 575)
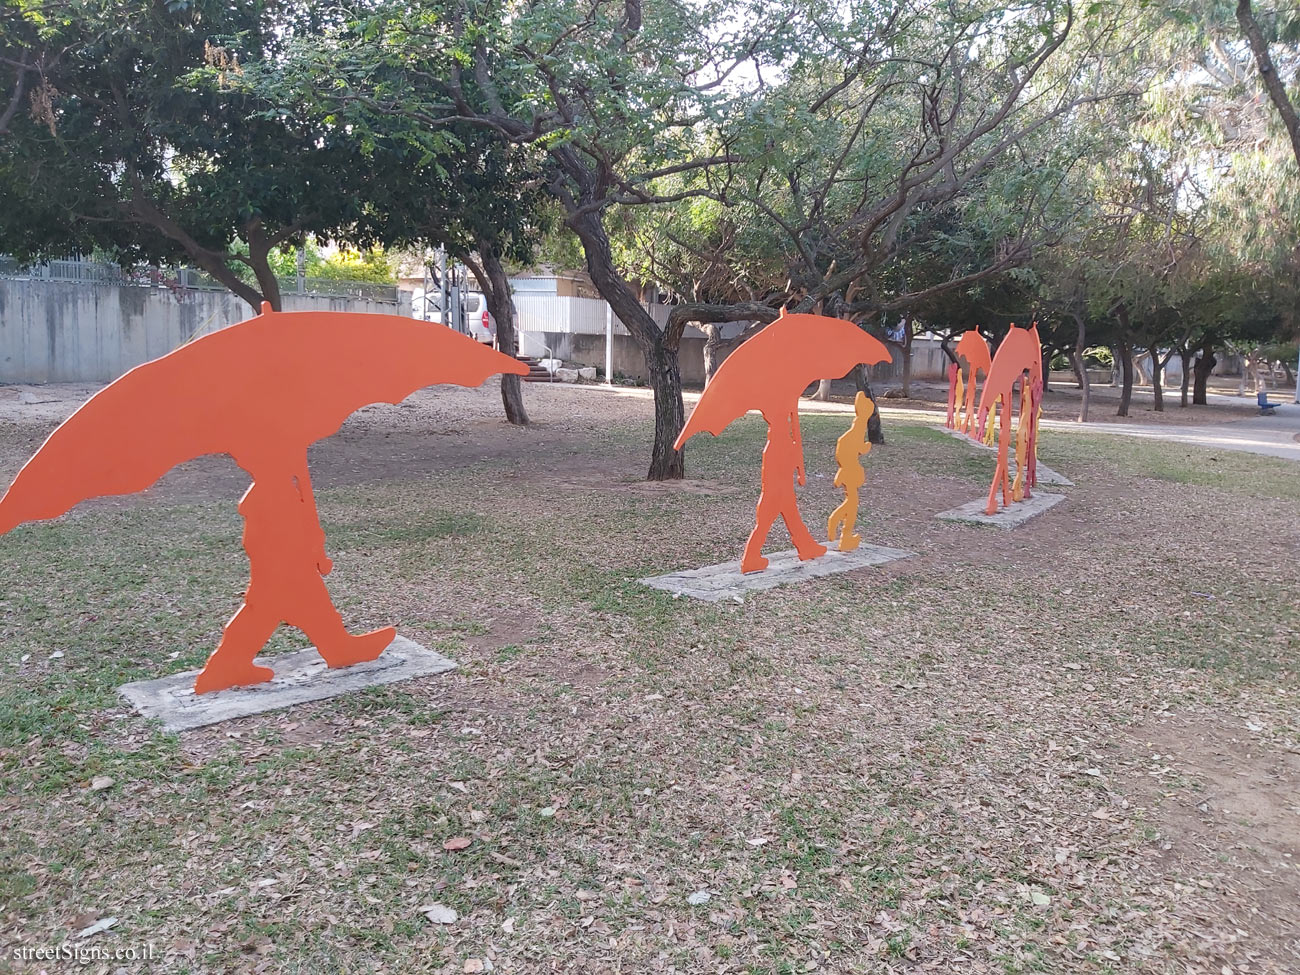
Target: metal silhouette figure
point(961, 391)
point(261, 391)
point(769, 373)
point(782, 461)
point(850, 476)
point(1019, 359)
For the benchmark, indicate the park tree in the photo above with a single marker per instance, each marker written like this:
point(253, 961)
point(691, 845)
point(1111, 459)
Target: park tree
point(132, 148)
point(645, 105)
point(463, 191)
point(1283, 27)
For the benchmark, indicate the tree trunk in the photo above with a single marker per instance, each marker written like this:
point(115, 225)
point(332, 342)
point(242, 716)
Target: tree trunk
point(945, 344)
point(1124, 356)
point(496, 291)
point(1185, 355)
point(1081, 368)
point(1268, 74)
point(1126, 380)
point(907, 357)
point(712, 350)
point(875, 432)
point(1157, 389)
point(259, 259)
point(823, 393)
point(222, 273)
point(659, 346)
point(666, 464)
point(268, 282)
point(1205, 364)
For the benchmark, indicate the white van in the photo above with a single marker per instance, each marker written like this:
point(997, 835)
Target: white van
point(478, 321)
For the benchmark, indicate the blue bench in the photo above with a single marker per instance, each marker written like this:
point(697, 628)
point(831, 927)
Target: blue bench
point(1265, 407)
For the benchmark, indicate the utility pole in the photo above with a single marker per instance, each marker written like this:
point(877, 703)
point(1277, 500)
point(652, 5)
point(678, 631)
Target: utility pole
point(442, 286)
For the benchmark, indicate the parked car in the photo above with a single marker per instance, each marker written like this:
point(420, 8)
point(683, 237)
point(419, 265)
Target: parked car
point(479, 324)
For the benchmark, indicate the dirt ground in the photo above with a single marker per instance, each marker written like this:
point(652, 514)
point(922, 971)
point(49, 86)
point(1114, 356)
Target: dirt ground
point(1072, 747)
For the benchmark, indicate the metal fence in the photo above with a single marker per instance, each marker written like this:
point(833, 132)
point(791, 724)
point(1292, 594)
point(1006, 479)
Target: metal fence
point(574, 316)
point(144, 276)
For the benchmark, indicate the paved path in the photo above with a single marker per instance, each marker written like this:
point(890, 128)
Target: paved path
point(1273, 436)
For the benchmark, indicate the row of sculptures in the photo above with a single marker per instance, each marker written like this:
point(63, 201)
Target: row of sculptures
point(263, 390)
point(1018, 362)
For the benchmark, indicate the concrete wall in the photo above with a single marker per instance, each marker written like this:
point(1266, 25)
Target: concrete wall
point(52, 332)
point(589, 350)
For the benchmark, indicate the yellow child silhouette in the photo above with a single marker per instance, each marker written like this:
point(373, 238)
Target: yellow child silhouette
point(850, 476)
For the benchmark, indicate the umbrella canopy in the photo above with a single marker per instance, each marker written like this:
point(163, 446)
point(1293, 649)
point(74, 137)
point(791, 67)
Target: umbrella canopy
point(1021, 350)
point(257, 390)
point(972, 347)
point(770, 371)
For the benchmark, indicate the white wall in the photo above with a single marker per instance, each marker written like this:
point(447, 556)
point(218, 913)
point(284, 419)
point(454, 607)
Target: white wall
point(53, 331)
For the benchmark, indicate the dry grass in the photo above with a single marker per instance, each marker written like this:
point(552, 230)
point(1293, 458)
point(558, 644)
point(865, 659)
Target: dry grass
point(990, 758)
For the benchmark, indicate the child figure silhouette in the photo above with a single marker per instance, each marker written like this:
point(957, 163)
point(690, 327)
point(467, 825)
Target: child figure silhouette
point(850, 476)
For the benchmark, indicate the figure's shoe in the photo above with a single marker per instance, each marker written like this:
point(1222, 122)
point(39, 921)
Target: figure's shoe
point(813, 551)
point(849, 542)
point(224, 676)
point(358, 649)
point(755, 564)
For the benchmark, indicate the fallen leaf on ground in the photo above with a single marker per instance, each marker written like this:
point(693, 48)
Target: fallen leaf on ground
point(96, 928)
point(440, 913)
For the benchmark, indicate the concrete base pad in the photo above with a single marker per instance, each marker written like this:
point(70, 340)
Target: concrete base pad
point(1045, 474)
point(1016, 513)
point(299, 677)
point(714, 583)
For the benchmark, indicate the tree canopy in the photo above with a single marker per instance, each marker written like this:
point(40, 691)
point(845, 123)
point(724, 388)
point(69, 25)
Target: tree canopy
point(1123, 173)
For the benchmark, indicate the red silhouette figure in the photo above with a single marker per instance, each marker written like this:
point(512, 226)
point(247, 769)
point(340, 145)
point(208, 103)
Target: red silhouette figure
point(1019, 359)
point(782, 461)
point(769, 373)
point(261, 391)
point(971, 347)
point(287, 563)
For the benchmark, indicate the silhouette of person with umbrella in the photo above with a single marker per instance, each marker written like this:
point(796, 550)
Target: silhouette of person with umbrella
point(287, 566)
point(262, 391)
point(769, 373)
point(782, 461)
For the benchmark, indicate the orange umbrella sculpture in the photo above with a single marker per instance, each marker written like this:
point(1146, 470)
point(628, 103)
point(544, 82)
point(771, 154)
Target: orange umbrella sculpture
point(261, 391)
point(769, 373)
point(1019, 359)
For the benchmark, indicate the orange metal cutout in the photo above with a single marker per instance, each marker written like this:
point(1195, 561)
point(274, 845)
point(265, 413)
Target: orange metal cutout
point(1019, 359)
point(261, 391)
point(769, 373)
point(961, 409)
point(850, 475)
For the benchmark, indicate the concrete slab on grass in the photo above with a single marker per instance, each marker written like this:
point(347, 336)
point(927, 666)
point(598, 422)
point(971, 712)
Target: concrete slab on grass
point(299, 677)
point(1012, 515)
point(1045, 474)
point(714, 583)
